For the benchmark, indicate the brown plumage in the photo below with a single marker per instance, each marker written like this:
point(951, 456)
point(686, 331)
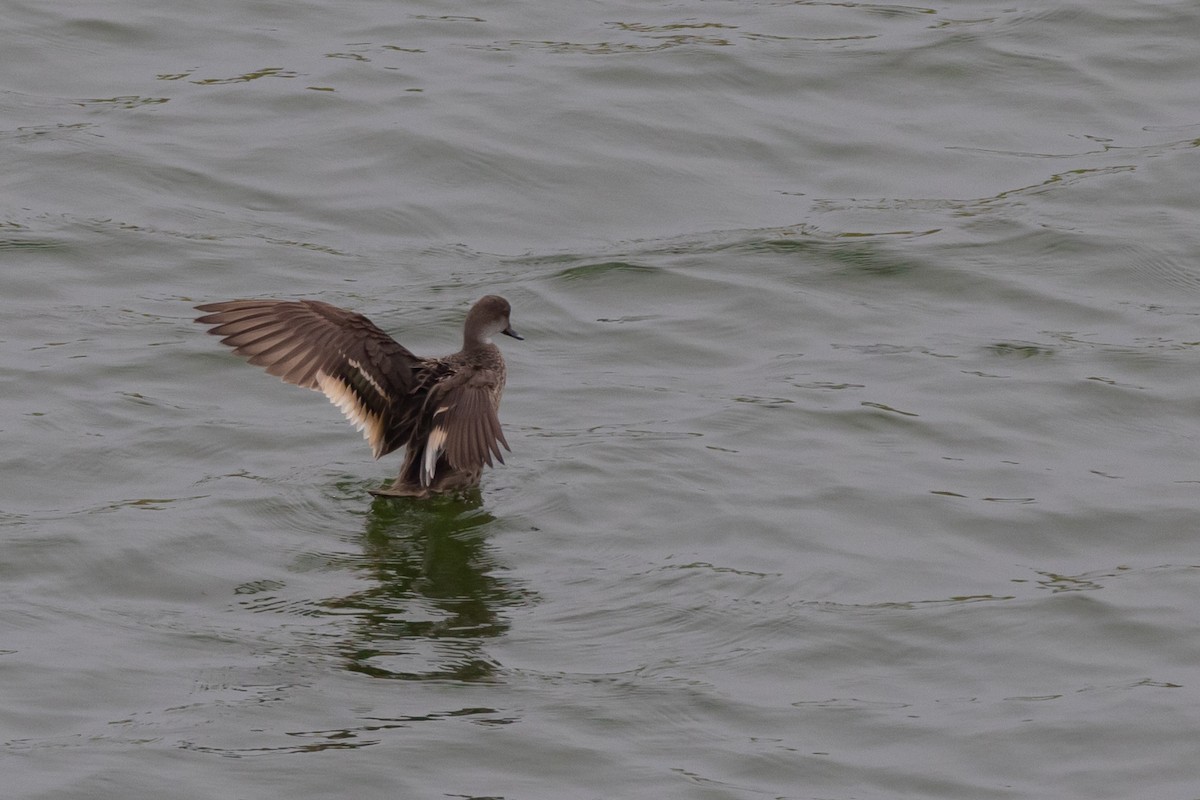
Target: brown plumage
point(443, 411)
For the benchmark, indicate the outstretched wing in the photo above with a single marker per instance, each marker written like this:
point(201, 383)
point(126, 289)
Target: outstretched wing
point(361, 369)
point(465, 426)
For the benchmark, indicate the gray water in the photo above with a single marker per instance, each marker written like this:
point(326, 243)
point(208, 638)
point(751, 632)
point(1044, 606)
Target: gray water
point(854, 433)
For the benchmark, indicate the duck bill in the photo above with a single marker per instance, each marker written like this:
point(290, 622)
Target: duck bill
point(510, 332)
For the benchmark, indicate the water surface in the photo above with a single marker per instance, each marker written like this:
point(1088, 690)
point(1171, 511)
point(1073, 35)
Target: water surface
point(854, 430)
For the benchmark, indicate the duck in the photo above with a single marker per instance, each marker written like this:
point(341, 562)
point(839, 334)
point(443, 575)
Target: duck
point(443, 411)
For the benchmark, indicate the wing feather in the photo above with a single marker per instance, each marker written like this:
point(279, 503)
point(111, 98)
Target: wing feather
point(473, 433)
point(343, 355)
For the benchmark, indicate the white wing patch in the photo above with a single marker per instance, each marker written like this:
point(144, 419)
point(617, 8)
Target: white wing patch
point(435, 445)
point(344, 397)
point(369, 378)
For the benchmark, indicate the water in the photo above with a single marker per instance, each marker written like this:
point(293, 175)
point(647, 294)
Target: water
point(854, 430)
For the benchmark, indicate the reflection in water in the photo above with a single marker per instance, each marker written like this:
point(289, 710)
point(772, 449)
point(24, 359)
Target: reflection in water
point(433, 598)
